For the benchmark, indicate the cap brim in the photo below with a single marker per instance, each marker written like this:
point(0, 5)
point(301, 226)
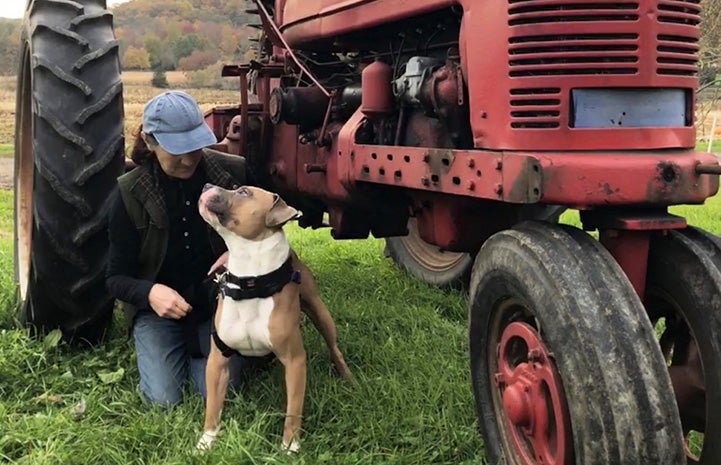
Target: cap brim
point(180, 143)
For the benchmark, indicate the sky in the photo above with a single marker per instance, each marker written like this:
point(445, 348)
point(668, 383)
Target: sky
point(16, 8)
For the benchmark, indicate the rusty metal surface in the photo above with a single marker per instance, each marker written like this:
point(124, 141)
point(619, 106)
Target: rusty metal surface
point(520, 91)
point(631, 219)
point(630, 249)
point(580, 180)
point(310, 20)
point(632, 178)
point(340, 168)
point(376, 91)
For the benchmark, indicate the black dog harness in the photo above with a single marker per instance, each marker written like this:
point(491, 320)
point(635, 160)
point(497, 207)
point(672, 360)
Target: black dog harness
point(252, 287)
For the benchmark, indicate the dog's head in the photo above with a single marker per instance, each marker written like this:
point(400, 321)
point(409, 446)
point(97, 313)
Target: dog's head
point(249, 212)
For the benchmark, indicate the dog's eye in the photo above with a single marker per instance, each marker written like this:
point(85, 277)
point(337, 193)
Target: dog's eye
point(243, 192)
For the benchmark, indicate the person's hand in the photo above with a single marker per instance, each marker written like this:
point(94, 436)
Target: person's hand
point(220, 262)
point(167, 303)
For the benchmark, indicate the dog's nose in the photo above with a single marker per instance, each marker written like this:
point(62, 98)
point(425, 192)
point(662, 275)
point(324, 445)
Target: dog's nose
point(207, 186)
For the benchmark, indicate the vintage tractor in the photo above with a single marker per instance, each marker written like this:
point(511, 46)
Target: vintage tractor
point(456, 129)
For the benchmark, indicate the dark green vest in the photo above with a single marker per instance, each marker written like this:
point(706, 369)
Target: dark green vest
point(145, 205)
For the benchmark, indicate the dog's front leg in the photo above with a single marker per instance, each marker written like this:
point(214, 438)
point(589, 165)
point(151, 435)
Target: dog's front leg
point(293, 359)
point(217, 376)
point(318, 313)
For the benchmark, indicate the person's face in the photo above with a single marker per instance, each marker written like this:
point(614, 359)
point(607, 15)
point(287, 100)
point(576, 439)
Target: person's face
point(176, 166)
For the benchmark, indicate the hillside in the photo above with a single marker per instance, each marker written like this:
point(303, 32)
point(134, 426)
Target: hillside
point(168, 34)
point(183, 34)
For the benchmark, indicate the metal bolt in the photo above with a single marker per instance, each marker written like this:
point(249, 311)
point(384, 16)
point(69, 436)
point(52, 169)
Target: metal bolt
point(499, 189)
point(425, 181)
point(471, 185)
point(499, 379)
point(535, 355)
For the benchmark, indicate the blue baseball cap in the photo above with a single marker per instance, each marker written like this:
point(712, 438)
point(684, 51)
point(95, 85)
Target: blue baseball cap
point(175, 121)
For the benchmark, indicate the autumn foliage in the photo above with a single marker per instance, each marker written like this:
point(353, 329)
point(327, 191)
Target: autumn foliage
point(199, 59)
point(185, 35)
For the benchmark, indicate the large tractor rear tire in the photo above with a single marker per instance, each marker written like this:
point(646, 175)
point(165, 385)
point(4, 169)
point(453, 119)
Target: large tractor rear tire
point(564, 362)
point(68, 154)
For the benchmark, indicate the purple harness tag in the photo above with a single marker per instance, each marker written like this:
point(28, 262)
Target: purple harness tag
point(295, 276)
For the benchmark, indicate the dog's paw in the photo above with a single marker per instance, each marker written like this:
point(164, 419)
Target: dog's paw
point(206, 440)
point(291, 448)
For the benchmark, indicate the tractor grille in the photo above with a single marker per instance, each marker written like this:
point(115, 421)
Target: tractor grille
point(571, 54)
point(540, 11)
point(678, 54)
point(679, 11)
point(561, 42)
point(535, 108)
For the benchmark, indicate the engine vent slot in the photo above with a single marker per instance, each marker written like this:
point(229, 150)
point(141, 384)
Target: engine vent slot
point(677, 55)
point(679, 12)
point(535, 108)
point(540, 12)
point(573, 54)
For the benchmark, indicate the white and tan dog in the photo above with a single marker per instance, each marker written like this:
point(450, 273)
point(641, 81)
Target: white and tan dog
point(261, 262)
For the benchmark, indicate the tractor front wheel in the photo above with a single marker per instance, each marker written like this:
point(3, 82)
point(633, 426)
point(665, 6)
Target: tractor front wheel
point(683, 298)
point(564, 363)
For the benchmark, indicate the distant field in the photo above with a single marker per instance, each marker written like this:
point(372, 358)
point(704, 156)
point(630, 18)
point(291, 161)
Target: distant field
point(143, 77)
point(136, 95)
point(137, 91)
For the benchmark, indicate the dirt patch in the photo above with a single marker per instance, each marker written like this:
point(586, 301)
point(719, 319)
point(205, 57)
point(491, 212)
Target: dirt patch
point(6, 173)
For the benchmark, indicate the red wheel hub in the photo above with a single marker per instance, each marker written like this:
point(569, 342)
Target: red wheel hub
point(536, 415)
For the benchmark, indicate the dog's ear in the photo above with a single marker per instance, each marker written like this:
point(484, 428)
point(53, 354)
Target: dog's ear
point(280, 213)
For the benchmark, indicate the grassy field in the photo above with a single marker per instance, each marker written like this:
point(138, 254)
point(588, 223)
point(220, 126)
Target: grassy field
point(136, 91)
point(405, 342)
point(715, 146)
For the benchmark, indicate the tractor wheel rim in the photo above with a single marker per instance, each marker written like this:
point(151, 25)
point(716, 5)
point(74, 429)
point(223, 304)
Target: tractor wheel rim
point(532, 398)
point(24, 173)
point(428, 255)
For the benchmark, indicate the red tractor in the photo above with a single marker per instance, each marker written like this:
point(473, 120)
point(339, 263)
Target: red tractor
point(458, 130)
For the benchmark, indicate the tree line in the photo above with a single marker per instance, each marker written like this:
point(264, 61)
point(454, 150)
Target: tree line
point(184, 35)
point(164, 35)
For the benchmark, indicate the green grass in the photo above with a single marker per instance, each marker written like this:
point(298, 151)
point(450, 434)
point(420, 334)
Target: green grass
point(405, 342)
point(715, 146)
point(7, 151)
